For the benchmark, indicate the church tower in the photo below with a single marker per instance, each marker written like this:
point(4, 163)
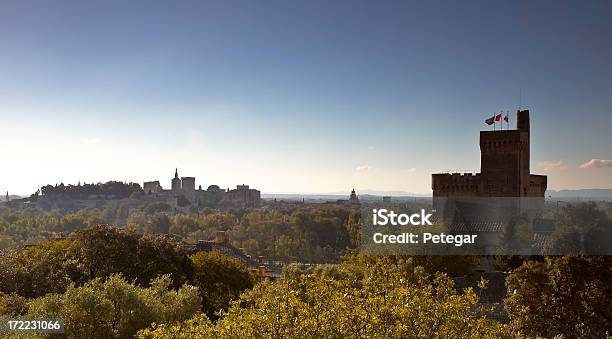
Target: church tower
point(353, 197)
point(176, 183)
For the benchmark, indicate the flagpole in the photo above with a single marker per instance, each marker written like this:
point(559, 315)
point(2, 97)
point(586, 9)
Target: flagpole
point(507, 120)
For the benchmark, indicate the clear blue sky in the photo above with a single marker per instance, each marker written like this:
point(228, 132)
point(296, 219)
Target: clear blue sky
point(288, 96)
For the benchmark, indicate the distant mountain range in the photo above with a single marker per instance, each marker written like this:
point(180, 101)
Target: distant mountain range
point(594, 194)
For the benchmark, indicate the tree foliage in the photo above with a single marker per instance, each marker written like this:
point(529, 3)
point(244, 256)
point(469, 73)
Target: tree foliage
point(219, 279)
point(116, 189)
point(569, 296)
point(97, 252)
point(388, 300)
point(115, 308)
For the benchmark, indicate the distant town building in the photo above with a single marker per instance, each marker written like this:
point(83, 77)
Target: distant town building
point(152, 187)
point(188, 188)
point(176, 183)
point(183, 188)
point(243, 196)
point(353, 198)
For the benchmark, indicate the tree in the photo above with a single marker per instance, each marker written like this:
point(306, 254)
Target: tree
point(136, 194)
point(12, 305)
point(97, 252)
point(116, 309)
point(48, 267)
point(220, 280)
point(581, 228)
point(569, 296)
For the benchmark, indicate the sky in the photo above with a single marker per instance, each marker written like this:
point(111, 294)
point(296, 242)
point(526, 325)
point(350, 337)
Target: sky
point(298, 96)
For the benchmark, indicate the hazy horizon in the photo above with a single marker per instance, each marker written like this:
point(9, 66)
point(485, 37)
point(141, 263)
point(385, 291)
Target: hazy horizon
point(298, 97)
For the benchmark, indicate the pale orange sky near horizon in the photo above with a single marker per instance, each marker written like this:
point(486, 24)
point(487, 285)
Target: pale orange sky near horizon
point(42, 157)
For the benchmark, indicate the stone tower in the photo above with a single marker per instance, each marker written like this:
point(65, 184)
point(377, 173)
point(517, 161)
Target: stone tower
point(188, 187)
point(504, 167)
point(504, 160)
point(176, 183)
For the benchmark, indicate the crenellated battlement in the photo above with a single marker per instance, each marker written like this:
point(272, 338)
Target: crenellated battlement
point(456, 183)
point(503, 141)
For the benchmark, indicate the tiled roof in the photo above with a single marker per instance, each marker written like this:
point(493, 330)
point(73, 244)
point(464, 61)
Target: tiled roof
point(227, 249)
point(540, 239)
point(477, 226)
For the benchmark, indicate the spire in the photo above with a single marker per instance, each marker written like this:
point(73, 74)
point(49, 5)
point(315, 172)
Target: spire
point(7, 197)
point(353, 196)
point(176, 173)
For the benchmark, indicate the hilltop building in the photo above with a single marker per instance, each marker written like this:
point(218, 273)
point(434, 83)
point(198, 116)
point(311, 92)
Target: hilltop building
point(353, 200)
point(176, 183)
point(152, 187)
point(184, 187)
point(243, 195)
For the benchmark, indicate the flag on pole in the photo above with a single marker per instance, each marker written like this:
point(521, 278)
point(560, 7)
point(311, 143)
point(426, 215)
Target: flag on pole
point(490, 121)
point(498, 117)
point(506, 118)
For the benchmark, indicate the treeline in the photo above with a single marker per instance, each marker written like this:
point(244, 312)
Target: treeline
point(116, 189)
point(312, 235)
point(57, 266)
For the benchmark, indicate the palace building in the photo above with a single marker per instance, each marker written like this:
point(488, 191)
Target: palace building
point(185, 189)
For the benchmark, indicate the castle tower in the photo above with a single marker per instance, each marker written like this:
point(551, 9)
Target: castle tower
point(504, 160)
point(504, 172)
point(176, 183)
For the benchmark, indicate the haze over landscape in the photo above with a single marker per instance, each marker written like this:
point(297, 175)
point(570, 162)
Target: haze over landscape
point(311, 97)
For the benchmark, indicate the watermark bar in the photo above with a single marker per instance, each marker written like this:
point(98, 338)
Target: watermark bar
point(23, 325)
point(485, 226)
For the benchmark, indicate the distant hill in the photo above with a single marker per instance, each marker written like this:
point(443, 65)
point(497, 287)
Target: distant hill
point(369, 195)
point(594, 193)
point(365, 195)
point(384, 193)
point(12, 197)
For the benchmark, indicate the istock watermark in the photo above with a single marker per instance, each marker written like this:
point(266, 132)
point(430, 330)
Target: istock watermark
point(484, 226)
point(382, 217)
